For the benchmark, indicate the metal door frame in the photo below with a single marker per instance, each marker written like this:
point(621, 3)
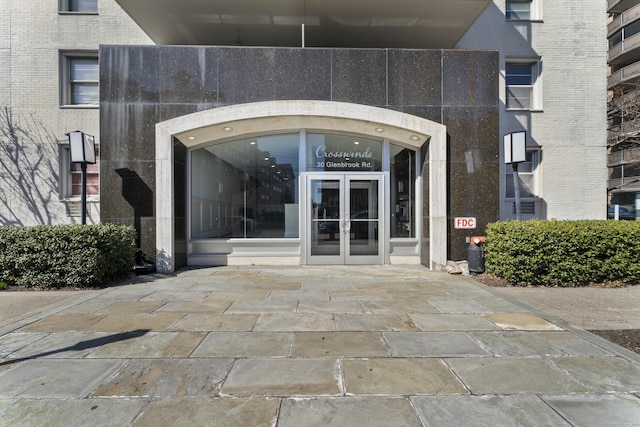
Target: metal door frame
point(306, 223)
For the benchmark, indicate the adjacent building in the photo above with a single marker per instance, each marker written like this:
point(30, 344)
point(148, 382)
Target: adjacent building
point(304, 132)
point(623, 161)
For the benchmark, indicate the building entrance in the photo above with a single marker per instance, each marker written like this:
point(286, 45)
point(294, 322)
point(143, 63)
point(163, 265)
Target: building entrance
point(345, 218)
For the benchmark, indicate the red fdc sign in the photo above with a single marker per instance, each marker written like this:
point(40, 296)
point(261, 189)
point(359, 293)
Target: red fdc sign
point(467, 223)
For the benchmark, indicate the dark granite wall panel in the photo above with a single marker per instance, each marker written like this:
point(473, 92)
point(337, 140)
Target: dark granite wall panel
point(429, 113)
point(188, 75)
point(359, 76)
point(246, 75)
point(144, 85)
point(415, 77)
point(473, 171)
point(171, 111)
point(469, 78)
point(129, 74)
point(303, 74)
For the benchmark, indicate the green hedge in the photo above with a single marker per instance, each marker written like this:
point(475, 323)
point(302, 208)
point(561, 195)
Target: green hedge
point(66, 255)
point(564, 253)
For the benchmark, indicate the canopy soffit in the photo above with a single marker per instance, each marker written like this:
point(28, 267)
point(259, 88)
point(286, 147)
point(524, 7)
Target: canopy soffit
point(417, 24)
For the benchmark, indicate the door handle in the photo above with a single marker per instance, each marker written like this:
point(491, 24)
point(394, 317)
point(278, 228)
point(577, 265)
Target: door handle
point(347, 226)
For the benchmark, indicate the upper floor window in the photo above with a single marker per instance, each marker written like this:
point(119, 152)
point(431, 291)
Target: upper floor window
point(519, 10)
point(523, 10)
point(521, 81)
point(79, 77)
point(82, 6)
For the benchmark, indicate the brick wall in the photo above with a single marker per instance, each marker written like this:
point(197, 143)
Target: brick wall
point(32, 35)
point(570, 128)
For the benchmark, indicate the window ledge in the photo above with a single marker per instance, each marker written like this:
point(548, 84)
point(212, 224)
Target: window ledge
point(534, 21)
point(524, 110)
point(90, 199)
point(72, 12)
point(80, 106)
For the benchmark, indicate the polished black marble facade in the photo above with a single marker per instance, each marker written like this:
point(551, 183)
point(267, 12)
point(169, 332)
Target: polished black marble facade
point(143, 85)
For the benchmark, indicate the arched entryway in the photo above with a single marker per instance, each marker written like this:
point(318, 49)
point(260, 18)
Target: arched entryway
point(246, 123)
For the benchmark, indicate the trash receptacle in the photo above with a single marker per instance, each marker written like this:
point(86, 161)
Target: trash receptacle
point(475, 255)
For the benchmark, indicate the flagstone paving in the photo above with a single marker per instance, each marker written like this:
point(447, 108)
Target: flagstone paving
point(308, 346)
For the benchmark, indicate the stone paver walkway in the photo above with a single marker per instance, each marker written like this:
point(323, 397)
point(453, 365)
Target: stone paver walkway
point(309, 346)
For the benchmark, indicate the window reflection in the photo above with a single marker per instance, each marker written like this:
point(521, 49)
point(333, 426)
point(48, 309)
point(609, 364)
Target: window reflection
point(403, 178)
point(246, 188)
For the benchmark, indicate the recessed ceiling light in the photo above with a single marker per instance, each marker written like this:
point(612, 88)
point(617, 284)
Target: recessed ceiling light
point(191, 138)
point(379, 130)
point(356, 142)
point(252, 143)
point(227, 129)
point(414, 138)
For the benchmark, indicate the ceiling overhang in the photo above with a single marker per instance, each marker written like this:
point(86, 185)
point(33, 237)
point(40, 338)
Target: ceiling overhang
point(418, 24)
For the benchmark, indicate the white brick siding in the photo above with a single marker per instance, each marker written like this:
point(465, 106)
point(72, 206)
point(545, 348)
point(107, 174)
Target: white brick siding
point(32, 34)
point(571, 128)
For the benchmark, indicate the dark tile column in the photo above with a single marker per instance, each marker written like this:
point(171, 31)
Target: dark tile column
point(471, 113)
point(129, 111)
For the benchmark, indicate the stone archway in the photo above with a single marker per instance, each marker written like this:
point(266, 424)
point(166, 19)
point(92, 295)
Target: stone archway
point(245, 119)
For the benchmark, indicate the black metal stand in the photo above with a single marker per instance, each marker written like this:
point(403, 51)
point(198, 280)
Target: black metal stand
point(83, 202)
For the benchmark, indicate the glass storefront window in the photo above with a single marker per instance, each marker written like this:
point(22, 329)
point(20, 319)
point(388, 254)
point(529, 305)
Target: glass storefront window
point(246, 188)
point(347, 153)
point(403, 192)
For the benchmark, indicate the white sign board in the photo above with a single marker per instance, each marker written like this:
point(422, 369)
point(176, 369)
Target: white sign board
point(464, 223)
point(515, 150)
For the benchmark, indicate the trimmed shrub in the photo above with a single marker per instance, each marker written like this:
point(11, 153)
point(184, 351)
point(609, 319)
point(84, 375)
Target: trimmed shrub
point(66, 255)
point(564, 253)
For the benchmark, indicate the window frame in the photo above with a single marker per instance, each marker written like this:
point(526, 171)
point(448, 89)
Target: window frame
point(67, 84)
point(66, 7)
point(535, 88)
point(534, 173)
point(534, 12)
point(66, 173)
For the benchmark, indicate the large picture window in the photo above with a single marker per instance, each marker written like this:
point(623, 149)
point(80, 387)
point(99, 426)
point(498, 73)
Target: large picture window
point(249, 188)
point(246, 188)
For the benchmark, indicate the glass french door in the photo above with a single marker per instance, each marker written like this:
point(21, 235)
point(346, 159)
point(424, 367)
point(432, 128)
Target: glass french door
point(345, 223)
